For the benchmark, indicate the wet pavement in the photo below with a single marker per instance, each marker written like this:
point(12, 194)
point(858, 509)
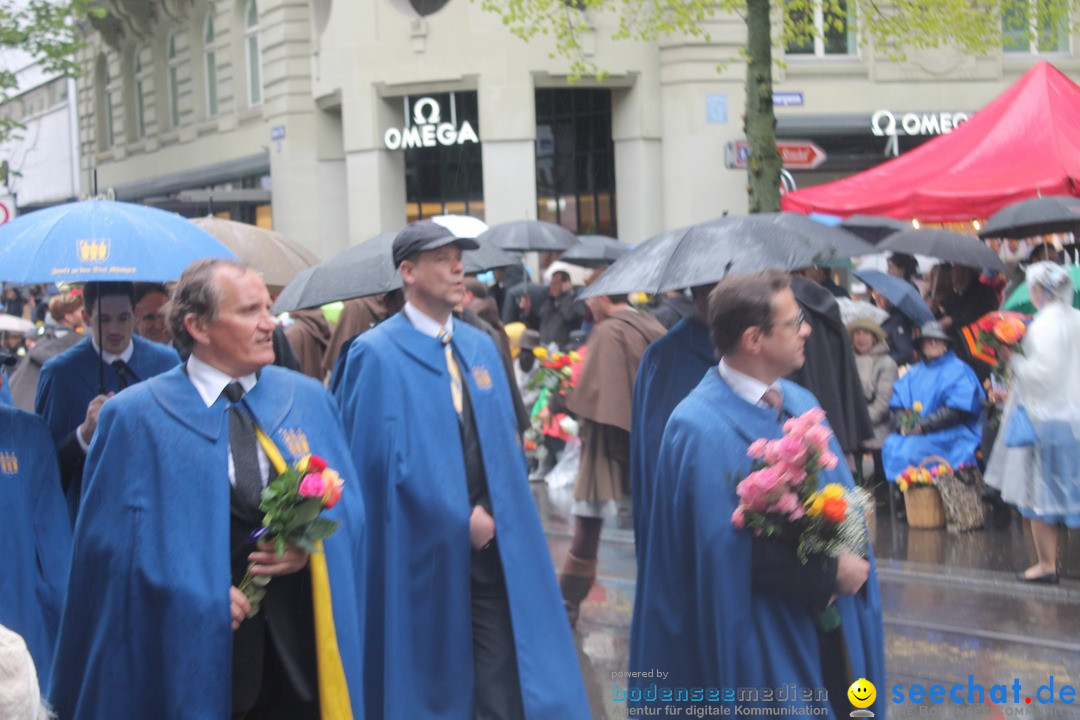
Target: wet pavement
point(953, 611)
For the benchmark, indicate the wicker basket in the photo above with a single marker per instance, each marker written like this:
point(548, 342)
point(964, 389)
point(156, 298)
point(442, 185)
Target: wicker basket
point(923, 502)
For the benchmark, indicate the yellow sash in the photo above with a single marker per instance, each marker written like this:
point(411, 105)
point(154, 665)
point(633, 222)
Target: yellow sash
point(334, 701)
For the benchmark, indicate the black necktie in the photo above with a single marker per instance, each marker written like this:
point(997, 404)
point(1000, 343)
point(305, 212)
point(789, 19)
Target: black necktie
point(122, 374)
point(242, 445)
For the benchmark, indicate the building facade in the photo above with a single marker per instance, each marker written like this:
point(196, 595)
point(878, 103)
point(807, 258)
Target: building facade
point(333, 120)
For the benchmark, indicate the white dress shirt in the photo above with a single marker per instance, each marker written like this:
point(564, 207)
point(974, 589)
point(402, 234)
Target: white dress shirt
point(427, 324)
point(211, 382)
point(749, 389)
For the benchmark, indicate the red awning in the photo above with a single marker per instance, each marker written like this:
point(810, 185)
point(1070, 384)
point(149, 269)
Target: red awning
point(1024, 143)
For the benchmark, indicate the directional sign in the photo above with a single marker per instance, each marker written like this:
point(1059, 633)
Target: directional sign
point(795, 154)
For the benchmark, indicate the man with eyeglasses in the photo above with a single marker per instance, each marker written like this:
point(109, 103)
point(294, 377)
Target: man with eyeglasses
point(722, 608)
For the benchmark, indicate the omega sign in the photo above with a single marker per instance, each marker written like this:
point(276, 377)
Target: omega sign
point(884, 123)
point(428, 129)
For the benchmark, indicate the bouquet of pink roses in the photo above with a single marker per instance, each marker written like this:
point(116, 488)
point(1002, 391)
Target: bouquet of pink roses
point(293, 503)
point(782, 495)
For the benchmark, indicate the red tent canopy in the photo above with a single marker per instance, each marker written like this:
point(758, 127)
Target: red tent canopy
point(1024, 143)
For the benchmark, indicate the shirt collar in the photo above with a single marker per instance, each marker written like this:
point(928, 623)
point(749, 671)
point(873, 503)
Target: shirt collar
point(426, 324)
point(108, 357)
point(210, 381)
point(748, 388)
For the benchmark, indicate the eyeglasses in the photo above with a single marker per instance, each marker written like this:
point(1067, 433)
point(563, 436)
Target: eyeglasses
point(795, 324)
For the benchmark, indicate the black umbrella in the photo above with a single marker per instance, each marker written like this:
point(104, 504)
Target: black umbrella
point(944, 245)
point(487, 257)
point(364, 269)
point(1035, 216)
point(873, 228)
point(595, 251)
point(706, 253)
point(524, 235)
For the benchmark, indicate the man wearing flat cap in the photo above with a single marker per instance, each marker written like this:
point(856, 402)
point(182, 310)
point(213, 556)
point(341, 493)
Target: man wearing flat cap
point(463, 616)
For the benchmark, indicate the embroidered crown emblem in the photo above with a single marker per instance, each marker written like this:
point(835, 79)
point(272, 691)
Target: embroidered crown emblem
point(296, 441)
point(9, 463)
point(482, 377)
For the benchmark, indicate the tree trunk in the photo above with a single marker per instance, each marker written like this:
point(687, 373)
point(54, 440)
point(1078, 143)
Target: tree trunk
point(763, 165)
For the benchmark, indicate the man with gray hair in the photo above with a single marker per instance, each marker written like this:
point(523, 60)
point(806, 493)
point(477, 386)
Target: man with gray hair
point(156, 625)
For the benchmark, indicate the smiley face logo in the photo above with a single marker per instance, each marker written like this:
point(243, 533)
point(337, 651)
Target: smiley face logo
point(862, 693)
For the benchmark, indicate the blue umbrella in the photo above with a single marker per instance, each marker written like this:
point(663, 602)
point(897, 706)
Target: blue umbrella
point(899, 292)
point(97, 240)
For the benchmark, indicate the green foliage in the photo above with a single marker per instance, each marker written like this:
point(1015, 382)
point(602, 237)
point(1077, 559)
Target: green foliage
point(47, 30)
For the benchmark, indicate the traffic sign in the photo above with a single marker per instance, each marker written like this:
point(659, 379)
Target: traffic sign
point(7, 208)
point(795, 154)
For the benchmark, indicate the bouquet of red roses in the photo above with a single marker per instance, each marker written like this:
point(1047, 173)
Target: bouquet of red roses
point(293, 504)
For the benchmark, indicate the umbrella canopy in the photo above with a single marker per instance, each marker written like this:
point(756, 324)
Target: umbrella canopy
point(873, 228)
point(364, 269)
point(12, 324)
point(1020, 300)
point(944, 245)
point(859, 309)
point(1036, 216)
point(463, 226)
point(899, 292)
point(525, 235)
point(275, 257)
point(98, 240)
point(486, 257)
point(706, 253)
point(595, 251)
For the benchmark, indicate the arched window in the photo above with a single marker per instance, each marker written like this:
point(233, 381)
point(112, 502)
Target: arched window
point(141, 77)
point(210, 66)
point(103, 104)
point(253, 53)
point(173, 63)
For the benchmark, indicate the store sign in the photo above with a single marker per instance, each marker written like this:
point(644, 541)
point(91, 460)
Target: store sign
point(884, 123)
point(7, 208)
point(428, 129)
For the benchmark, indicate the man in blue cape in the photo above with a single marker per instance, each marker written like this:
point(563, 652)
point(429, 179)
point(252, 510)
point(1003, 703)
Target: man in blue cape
point(155, 625)
point(464, 618)
point(948, 421)
point(722, 609)
point(74, 384)
point(35, 537)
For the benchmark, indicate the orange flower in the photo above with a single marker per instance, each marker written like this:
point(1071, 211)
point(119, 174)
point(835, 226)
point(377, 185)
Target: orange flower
point(1009, 329)
point(834, 510)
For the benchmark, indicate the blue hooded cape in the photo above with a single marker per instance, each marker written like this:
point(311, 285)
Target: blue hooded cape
point(69, 381)
point(395, 396)
point(670, 368)
point(35, 537)
point(699, 619)
point(948, 380)
point(147, 631)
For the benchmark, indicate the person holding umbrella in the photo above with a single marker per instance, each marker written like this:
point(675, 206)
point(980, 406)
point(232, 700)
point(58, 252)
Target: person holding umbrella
point(1039, 474)
point(76, 383)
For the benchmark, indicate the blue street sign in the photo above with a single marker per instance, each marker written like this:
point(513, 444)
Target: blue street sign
point(716, 109)
point(787, 99)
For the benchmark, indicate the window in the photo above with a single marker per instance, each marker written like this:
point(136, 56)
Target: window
point(103, 109)
point(173, 63)
point(825, 28)
point(141, 76)
point(1028, 26)
point(210, 67)
point(575, 160)
point(444, 179)
point(252, 53)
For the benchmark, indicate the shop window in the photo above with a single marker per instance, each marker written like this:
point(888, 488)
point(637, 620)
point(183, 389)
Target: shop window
point(210, 66)
point(253, 54)
point(575, 160)
point(1030, 27)
point(828, 28)
point(445, 175)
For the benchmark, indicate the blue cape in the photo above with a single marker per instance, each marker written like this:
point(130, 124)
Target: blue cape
point(35, 537)
point(5, 390)
point(699, 618)
point(948, 380)
point(670, 368)
point(147, 630)
point(400, 419)
point(69, 381)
